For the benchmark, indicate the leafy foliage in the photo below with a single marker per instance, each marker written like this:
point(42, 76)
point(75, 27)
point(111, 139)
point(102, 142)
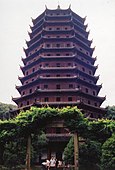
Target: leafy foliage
point(32, 121)
point(110, 112)
point(69, 152)
point(6, 107)
point(108, 154)
point(90, 154)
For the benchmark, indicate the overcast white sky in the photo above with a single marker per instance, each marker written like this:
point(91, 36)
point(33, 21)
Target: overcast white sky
point(15, 18)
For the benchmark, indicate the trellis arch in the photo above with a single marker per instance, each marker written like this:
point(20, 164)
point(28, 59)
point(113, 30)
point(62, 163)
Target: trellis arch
point(35, 119)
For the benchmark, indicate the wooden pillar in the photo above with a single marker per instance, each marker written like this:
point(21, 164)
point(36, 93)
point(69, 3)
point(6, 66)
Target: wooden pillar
point(76, 151)
point(28, 154)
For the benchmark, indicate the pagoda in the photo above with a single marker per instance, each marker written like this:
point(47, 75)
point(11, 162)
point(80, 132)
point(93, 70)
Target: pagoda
point(59, 71)
point(59, 68)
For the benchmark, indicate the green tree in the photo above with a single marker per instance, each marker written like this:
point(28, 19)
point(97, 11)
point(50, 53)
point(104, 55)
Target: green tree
point(39, 143)
point(110, 112)
point(108, 154)
point(69, 152)
point(90, 154)
point(5, 108)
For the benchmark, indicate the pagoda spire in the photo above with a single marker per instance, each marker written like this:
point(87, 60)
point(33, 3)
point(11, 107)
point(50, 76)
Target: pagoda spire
point(58, 7)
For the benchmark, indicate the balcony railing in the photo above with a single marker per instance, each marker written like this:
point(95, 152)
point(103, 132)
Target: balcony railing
point(59, 103)
point(58, 90)
point(62, 77)
point(70, 56)
point(58, 68)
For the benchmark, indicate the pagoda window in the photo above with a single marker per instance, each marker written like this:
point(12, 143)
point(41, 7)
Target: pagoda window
point(89, 102)
point(58, 99)
point(26, 82)
point(80, 49)
point(28, 103)
point(69, 99)
point(90, 72)
point(46, 65)
point(57, 45)
point(66, 28)
point(21, 105)
point(45, 86)
point(69, 64)
point(83, 69)
point(47, 45)
point(86, 90)
point(32, 79)
point(87, 53)
point(58, 130)
point(57, 54)
point(78, 86)
point(58, 36)
point(92, 115)
point(57, 86)
point(68, 75)
point(58, 75)
point(67, 54)
point(68, 45)
point(46, 99)
point(23, 93)
point(50, 28)
point(70, 86)
point(57, 28)
point(94, 93)
point(57, 64)
point(30, 90)
point(47, 75)
point(26, 72)
point(33, 69)
point(95, 104)
point(48, 54)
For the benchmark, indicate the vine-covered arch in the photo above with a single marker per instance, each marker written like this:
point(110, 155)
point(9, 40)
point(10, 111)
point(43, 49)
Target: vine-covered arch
point(34, 120)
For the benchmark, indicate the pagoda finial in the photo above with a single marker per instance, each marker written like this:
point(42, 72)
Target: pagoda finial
point(70, 6)
point(32, 19)
point(58, 7)
point(46, 6)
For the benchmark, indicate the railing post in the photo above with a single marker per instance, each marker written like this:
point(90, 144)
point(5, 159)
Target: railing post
point(76, 151)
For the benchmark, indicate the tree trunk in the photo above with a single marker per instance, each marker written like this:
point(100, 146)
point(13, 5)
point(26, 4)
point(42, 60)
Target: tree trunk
point(28, 154)
point(76, 151)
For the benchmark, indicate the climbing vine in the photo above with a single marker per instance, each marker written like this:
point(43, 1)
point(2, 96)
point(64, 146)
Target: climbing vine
point(31, 122)
point(35, 119)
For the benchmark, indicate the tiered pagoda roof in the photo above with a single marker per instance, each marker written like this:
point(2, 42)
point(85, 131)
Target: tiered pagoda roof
point(59, 65)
